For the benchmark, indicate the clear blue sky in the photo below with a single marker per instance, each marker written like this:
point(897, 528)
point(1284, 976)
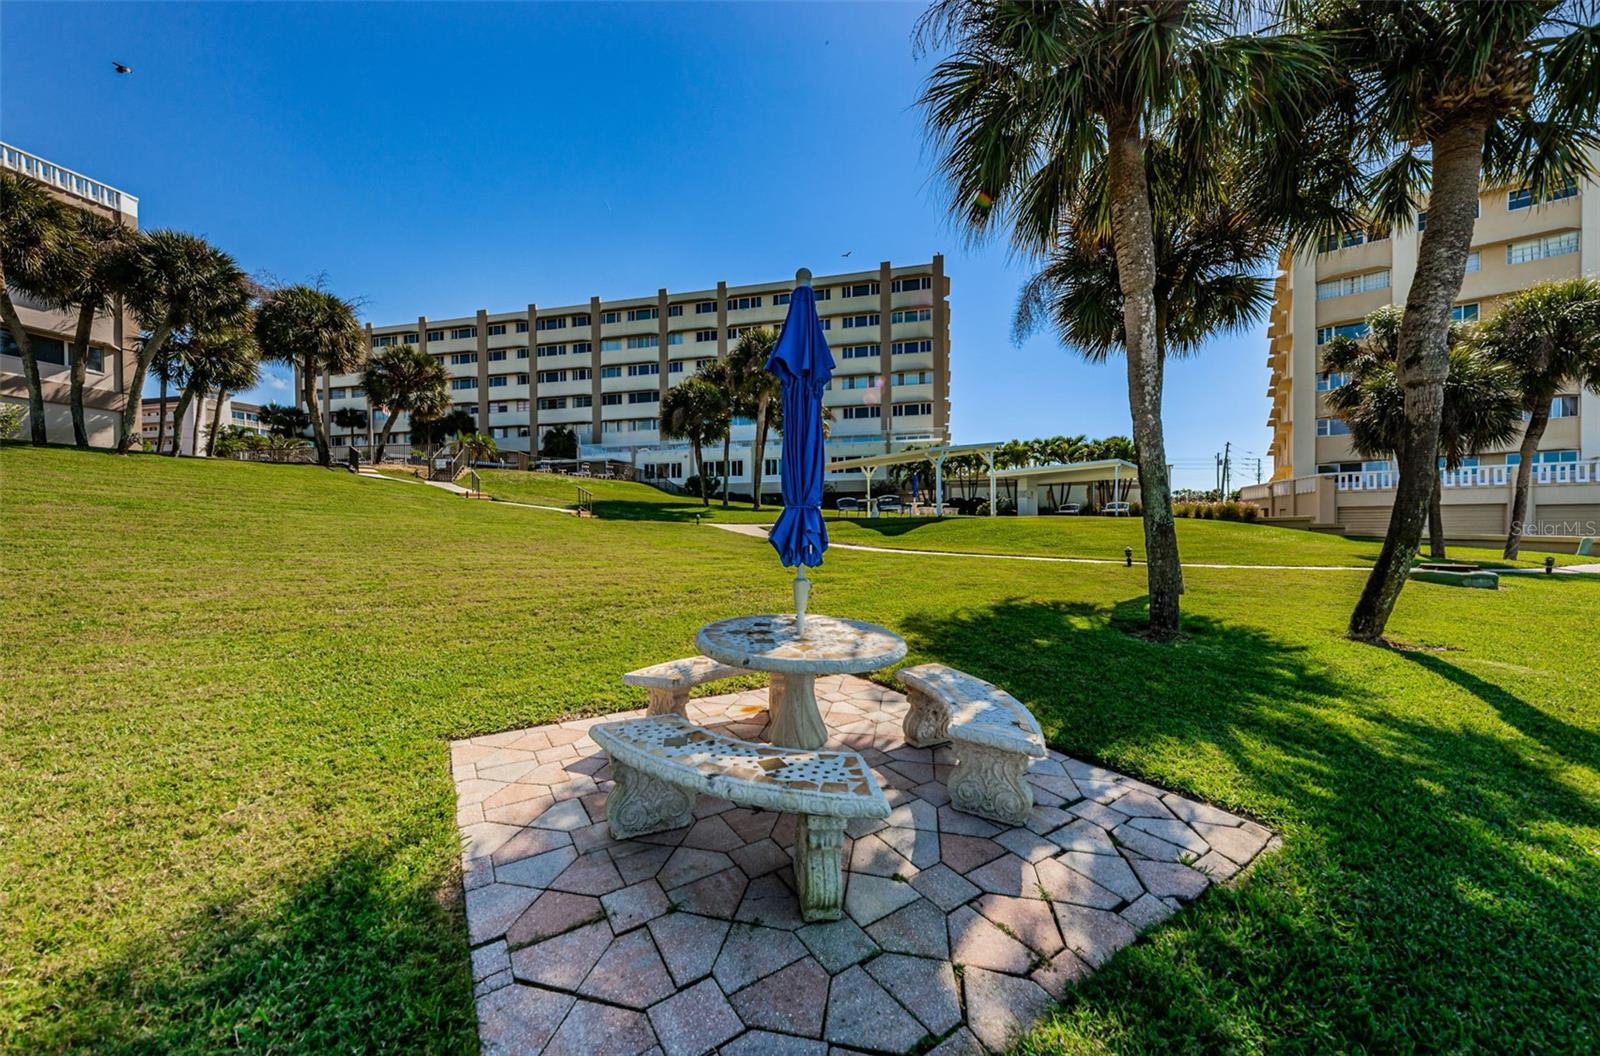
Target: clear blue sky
point(439, 159)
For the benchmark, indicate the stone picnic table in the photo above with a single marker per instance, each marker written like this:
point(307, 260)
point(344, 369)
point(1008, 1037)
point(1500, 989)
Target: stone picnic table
point(830, 646)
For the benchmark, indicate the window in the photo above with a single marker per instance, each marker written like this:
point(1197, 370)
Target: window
point(581, 348)
point(582, 374)
point(901, 348)
point(646, 396)
point(552, 403)
point(461, 333)
point(858, 381)
point(1541, 248)
point(739, 304)
point(1475, 261)
point(522, 326)
point(860, 351)
point(736, 332)
point(520, 405)
point(642, 370)
point(435, 335)
point(912, 410)
point(384, 341)
point(859, 289)
point(583, 401)
point(914, 377)
point(611, 372)
point(675, 338)
point(499, 381)
point(1328, 380)
point(823, 293)
point(552, 377)
point(1332, 427)
point(721, 469)
point(496, 329)
point(1523, 197)
point(463, 359)
point(675, 367)
point(645, 341)
point(863, 412)
point(1354, 331)
point(552, 350)
point(637, 315)
point(1464, 313)
point(915, 282)
point(463, 384)
point(911, 315)
point(1543, 457)
point(500, 408)
point(705, 307)
point(611, 399)
point(674, 311)
point(610, 317)
point(522, 353)
point(855, 321)
point(770, 467)
point(779, 299)
point(497, 355)
point(1346, 239)
point(1564, 407)
point(1372, 280)
point(610, 344)
point(581, 319)
point(705, 335)
point(551, 322)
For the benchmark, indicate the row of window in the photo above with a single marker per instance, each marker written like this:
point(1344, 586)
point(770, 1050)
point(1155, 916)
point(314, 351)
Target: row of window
point(1521, 198)
point(1518, 252)
point(901, 410)
point(1461, 313)
point(51, 350)
point(1563, 406)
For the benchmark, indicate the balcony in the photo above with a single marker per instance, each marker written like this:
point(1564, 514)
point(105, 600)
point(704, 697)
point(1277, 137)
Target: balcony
point(69, 182)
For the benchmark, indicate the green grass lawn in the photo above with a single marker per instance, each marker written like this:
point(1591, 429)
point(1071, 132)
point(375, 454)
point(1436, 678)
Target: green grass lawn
point(616, 499)
point(228, 822)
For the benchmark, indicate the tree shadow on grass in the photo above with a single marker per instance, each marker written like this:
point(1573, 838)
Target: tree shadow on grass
point(360, 955)
point(1439, 886)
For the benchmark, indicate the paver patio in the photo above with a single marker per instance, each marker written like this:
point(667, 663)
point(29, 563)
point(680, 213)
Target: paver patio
point(957, 932)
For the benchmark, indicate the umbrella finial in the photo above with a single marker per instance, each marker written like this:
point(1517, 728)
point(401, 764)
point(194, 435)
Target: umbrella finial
point(802, 277)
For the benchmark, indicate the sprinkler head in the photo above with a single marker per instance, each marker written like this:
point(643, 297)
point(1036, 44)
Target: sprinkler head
point(1549, 565)
point(1127, 556)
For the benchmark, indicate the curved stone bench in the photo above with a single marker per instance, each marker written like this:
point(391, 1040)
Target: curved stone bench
point(669, 683)
point(659, 762)
point(995, 739)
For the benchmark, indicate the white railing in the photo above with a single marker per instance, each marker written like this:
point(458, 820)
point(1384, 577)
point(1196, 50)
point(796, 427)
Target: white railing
point(74, 183)
point(1545, 473)
point(1305, 485)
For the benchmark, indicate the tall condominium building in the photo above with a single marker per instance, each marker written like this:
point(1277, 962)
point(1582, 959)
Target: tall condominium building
point(157, 421)
point(111, 357)
point(601, 368)
point(1519, 240)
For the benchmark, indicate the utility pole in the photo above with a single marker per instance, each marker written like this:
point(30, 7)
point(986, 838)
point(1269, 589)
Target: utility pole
point(1227, 467)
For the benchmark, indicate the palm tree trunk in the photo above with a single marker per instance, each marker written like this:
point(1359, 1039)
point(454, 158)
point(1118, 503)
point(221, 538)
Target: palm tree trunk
point(30, 365)
point(1539, 417)
point(184, 400)
point(1134, 241)
point(1436, 521)
point(700, 474)
point(76, 372)
point(1424, 364)
point(383, 436)
point(758, 452)
point(161, 427)
point(319, 428)
point(216, 423)
point(727, 467)
point(130, 408)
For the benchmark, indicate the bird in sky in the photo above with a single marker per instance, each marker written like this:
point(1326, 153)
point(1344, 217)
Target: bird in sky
point(120, 68)
point(846, 253)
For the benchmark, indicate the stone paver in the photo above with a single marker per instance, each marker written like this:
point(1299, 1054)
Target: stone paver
point(690, 941)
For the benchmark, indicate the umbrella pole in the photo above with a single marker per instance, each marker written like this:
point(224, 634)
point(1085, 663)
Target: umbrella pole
point(802, 594)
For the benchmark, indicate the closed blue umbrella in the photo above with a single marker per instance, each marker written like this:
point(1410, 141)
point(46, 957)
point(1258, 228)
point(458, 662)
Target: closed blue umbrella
point(803, 365)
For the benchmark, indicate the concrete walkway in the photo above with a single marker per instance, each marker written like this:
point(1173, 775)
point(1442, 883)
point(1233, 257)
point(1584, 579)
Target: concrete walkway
point(456, 489)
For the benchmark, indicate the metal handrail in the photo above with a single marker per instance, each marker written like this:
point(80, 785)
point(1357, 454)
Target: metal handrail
point(585, 501)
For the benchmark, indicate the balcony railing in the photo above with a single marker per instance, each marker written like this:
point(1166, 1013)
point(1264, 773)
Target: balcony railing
point(1544, 473)
point(65, 179)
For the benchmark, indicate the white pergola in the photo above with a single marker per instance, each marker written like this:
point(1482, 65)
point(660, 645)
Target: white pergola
point(935, 454)
point(1112, 469)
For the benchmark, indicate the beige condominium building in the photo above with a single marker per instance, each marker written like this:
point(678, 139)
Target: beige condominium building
point(197, 419)
point(601, 368)
point(1319, 479)
point(111, 352)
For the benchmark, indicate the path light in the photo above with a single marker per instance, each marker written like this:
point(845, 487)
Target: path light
point(697, 520)
point(1549, 565)
point(1127, 556)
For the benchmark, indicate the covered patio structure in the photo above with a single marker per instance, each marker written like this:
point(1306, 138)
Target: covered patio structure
point(1041, 489)
point(936, 455)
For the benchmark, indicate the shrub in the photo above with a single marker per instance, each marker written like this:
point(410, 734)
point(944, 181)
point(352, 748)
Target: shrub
point(1218, 511)
point(10, 420)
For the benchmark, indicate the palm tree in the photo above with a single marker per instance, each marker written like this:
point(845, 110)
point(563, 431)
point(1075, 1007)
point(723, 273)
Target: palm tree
point(205, 356)
point(1550, 335)
point(758, 393)
point(285, 420)
point(1482, 406)
point(559, 441)
point(479, 447)
point(232, 373)
point(316, 332)
point(1034, 99)
point(403, 379)
point(39, 254)
point(695, 410)
point(1431, 97)
point(720, 376)
point(176, 283)
point(102, 275)
point(167, 366)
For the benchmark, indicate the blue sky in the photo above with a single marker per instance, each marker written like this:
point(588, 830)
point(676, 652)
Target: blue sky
point(438, 159)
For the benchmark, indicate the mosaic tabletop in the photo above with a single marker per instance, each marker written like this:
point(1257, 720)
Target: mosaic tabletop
point(957, 934)
point(830, 645)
